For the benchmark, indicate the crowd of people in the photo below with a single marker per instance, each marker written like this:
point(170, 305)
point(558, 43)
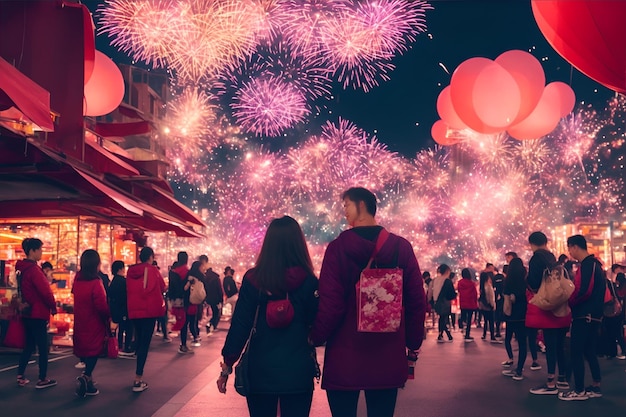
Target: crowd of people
point(580, 325)
point(283, 311)
point(126, 307)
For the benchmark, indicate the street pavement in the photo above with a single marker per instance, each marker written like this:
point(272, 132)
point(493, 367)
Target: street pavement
point(452, 379)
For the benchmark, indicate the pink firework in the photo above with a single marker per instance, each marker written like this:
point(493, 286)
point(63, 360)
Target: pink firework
point(141, 28)
point(266, 106)
point(360, 41)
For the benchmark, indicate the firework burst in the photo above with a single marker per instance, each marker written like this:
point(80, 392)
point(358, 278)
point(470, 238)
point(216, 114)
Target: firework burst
point(268, 105)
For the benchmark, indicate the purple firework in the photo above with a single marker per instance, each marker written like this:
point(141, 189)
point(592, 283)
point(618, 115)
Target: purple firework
point(266, 106)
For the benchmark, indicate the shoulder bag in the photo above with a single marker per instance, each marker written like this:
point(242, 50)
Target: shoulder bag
point(379, 295)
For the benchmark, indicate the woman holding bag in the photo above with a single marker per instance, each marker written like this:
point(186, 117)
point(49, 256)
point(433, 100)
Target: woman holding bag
point(91, 319)
point(281, 366)
point(515, 290)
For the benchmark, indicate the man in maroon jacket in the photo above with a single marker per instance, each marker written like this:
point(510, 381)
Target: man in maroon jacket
point(355, 361)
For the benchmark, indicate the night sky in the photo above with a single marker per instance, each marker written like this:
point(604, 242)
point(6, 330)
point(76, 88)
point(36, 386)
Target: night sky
point(401, 111)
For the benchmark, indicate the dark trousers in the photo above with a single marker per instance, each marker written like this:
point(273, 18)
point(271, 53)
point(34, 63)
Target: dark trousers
point(143, 330)
point(443, 324)
point(531, 334)
point(555, 350)
point(291, 405)
point(380, 403)
point(613, 335)
point(466, 318)
point(216, 314)
point(583, 346)
point(190, 325)
point(517, 328)
point(90, 365)
point(488, 315)
point(125, 335)
point(36, 336)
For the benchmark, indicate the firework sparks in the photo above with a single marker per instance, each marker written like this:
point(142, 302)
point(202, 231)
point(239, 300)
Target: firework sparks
point(268, 106)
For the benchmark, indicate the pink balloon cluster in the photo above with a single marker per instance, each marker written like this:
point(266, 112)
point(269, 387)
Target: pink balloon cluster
point(508, 93)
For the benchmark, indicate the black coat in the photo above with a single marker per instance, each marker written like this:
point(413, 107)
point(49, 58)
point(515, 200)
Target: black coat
point(230, 287)
point(280, 359)
point(118, 299)
point(213, 288)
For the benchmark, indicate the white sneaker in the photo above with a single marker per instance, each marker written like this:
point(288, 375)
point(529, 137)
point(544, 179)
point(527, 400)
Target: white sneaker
point(80, 365)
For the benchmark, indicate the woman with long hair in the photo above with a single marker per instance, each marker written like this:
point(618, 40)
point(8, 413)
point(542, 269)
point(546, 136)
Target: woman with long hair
point(281, 361)
point(487, 305)
point(91, 319)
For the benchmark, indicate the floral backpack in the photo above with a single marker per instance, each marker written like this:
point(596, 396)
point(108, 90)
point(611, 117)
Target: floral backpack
point(379, 295)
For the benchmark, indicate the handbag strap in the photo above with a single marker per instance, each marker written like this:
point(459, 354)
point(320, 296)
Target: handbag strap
point(18, 278)
point(253, 329)
point(380, 241)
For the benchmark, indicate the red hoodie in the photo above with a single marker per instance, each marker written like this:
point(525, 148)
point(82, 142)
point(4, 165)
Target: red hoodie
point(145, 287)
point(468, 296)
point(36, 289)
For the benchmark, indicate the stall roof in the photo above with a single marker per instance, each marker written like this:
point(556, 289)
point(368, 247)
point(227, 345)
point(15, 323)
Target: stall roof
point(16, 89)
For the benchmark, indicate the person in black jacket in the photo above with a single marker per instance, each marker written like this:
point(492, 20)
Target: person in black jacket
point(214, 298)
point(282, 364)
point(515, 289)
point(119, 309)
point(587, 304)
point(230, 288)
point(441, 294)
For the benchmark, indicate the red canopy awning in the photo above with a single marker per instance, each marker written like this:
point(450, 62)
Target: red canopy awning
point(16, 89)
point(122, 129)
point(104, 161)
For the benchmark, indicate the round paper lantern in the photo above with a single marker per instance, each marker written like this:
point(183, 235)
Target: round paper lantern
point(105, 89)
point(527, 72)
point(566, 97)
point(439, 132)
point(446, 110)
point(589, 35)
point(496, 96)
point(462, 91)
point(543, 119)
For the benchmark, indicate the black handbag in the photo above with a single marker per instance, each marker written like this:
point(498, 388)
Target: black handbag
point(242, 378)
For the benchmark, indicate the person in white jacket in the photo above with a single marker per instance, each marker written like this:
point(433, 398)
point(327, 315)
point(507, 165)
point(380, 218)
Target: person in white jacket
point(487, 305)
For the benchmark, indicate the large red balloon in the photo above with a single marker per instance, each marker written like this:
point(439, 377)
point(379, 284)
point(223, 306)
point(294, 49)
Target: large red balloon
point(589, 34)
point(543, 119)
point(496, 96)
point(462, 92)
point(439, 132)
point(446, 110)
point(529, 76)
point(105, 89)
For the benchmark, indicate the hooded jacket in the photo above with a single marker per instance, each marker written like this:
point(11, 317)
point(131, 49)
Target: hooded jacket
point(91, 316)
point(355, 360)
point(468, 295)
point(280, 359)
point(145, 287)
point(35, 289)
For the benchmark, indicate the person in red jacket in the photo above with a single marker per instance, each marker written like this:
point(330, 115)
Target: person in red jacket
point(91, 319)
point(468, 300)
point(355, 361)
point(145, 287)
point(37, 293)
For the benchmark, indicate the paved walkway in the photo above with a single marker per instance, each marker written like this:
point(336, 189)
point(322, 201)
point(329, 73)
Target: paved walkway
point(452, 379)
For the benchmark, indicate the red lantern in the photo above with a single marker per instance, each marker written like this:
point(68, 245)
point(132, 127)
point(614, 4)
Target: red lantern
point(529, 76)
point(440, 131)
point(589, 34)
point(544, 118)
point(446, 110)
point(105, 89)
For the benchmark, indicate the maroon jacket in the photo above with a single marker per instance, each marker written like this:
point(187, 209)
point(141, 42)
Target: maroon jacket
point(468, 296)
point(91, 316)
point(36, 289)
point(354, 360)
point(145, 287)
